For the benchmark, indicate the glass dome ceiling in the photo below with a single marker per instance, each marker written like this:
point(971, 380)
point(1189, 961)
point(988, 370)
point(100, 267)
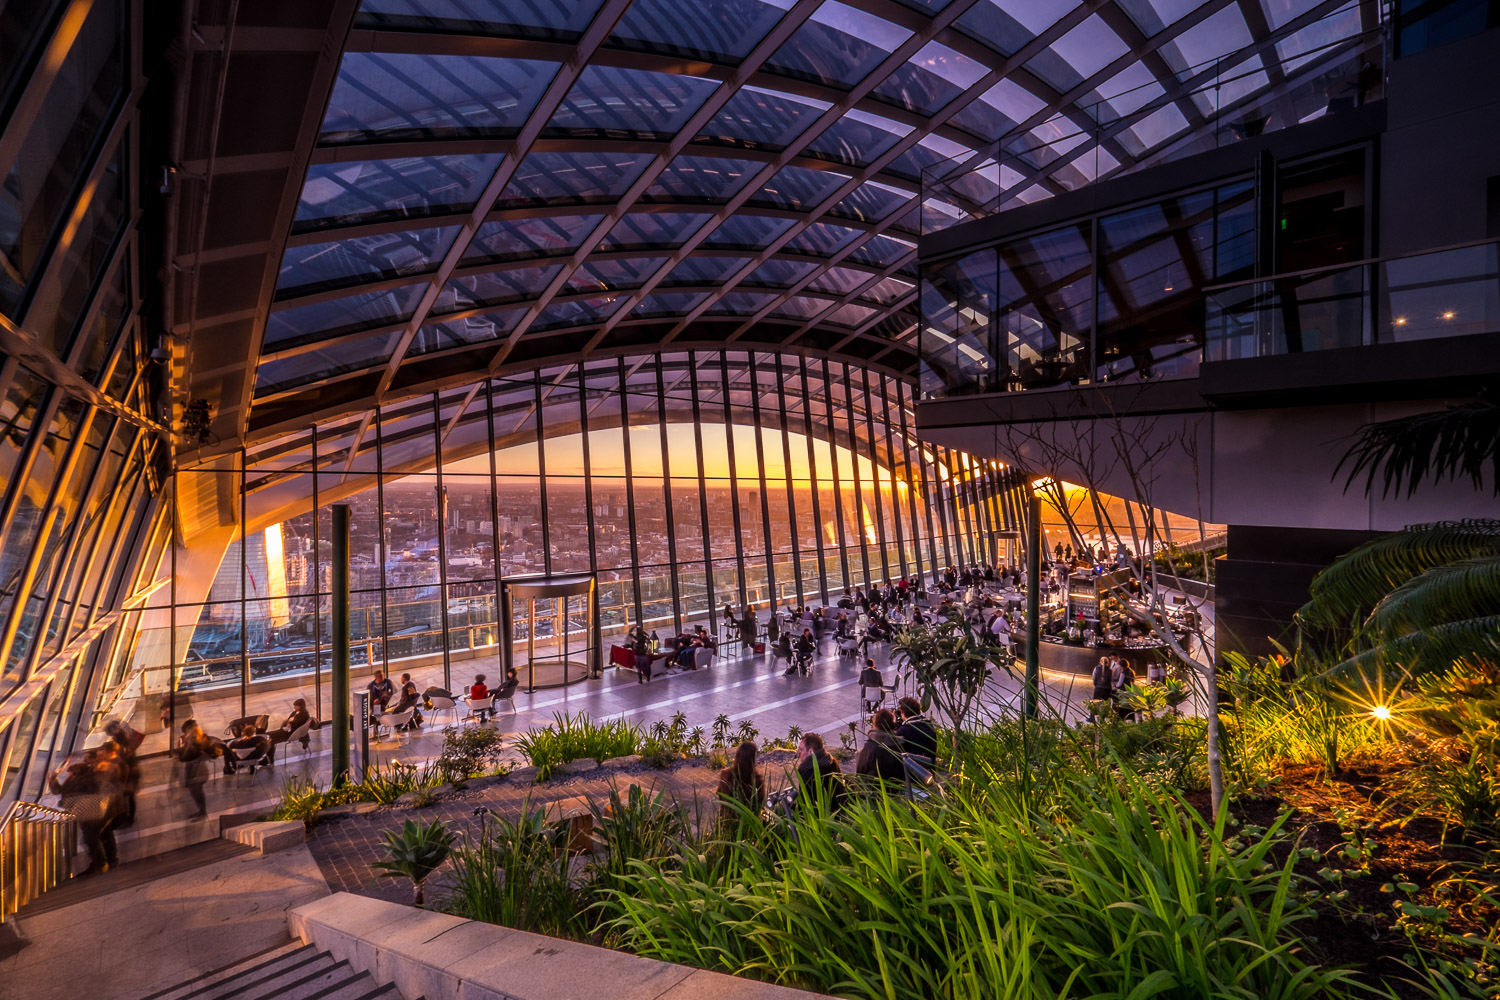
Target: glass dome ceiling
point(496, 182)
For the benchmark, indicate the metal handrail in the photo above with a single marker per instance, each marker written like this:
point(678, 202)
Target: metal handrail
point(1348, 266)
point(36, 852)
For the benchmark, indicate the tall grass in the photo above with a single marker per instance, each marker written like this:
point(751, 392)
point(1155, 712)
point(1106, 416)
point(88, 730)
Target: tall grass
point(515, 872)
point(1109, 890)
point(574, 737)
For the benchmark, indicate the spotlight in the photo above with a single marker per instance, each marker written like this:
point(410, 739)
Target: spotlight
point(1381, 712)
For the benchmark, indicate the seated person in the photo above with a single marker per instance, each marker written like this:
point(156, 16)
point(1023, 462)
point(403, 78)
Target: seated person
point(687, 654)
point(508, 686)
point(477, 692)
point(741, 782)
point(818, 775)
point(248, 739)
point(381, 693)
point(409, 701)
point(870, 676)
point(916, 732)
point(707, 639)
point(881, 754)
point(841, 626)
point(433, 691)
point(295, 721)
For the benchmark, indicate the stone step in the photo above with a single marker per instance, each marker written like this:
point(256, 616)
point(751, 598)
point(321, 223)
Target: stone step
point(289, 972)
point(231, 971)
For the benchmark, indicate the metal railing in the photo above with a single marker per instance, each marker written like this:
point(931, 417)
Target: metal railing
point(36, 853)
point(1233, 97)
point(1445, 292)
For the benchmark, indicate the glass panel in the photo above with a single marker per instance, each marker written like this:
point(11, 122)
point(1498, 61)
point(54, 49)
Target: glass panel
point(930, 79)
point(746, 232)
point(385, 96)
point(716, 30)
point(755, 118)
point(821, 239)
point(851, 316)
point(604, 275)
point(481, 329)
point(838, 46)
point(317, 266)
point(669, 303)
point(801, 307)
point(516, 239)
point(856, 139)
point(341, 194)
point(323, 362)
point(493, 288)
point(653, 230)
point(797, 188)
point(617, 103)
point(37, 190)
point(779, 273)
point(549, 21)
point(703, 270)
point(580, 313)
point(881, 251)
point(742, 303)
point(701, 179)
point(871, 202)
point(350, 314)
point(572, 179)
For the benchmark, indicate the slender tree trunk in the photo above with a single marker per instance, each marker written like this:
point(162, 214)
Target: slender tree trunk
point(1215, 759)
point(417, 888)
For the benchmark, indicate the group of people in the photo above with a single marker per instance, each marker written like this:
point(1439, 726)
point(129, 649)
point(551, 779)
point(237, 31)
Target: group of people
point(383, 692)
point(893, 738)
point(99, 786)
point(680, 651)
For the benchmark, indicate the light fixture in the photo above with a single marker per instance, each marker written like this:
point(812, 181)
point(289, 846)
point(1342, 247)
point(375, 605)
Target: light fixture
point(1381, 712)
point(1399, 321)
point(1448, 314)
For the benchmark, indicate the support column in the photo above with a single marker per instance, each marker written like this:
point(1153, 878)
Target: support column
point(1033, 603)
point(340, 630)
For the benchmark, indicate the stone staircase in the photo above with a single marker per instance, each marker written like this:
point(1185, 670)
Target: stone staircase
point(292, 971)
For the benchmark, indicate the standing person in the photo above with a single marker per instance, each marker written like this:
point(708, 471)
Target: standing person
point(773, 628)
point(123, 742)
point(196, 751)
point(728, 618)
point(642, 647)
point(1104, 683)
point(88, 790)
point(1156, 671)
point(1122, 677)
point(741, 782)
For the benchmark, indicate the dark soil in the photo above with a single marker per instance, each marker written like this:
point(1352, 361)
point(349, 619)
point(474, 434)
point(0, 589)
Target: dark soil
point(1361, 830)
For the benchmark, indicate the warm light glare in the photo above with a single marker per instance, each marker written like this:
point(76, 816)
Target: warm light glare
point(1381, 712)
point(1399, 321)
point(1448, 314)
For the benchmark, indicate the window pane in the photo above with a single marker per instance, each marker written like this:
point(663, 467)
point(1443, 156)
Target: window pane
point(550, 21)
point(318, 266)
point(341, 194)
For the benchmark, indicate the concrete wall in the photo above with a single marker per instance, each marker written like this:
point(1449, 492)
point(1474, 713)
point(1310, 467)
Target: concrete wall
point(443, 957)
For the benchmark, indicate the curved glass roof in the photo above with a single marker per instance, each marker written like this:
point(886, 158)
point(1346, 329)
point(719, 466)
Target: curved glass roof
point(608, 174)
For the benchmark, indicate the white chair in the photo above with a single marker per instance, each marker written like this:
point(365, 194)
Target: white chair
point(703, 657)
point(246, 759)
point(477, 705)
point(299, 735)
point(509, 699)
point(395, 721)
point(441, 705)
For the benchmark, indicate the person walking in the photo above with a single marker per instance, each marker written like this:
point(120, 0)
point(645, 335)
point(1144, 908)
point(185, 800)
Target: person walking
point(196, 751)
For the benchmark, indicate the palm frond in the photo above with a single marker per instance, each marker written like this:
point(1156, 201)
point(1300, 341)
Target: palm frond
point(1469, 588)
point(1358, 580)
point(1461, 441)
point(1468, 641)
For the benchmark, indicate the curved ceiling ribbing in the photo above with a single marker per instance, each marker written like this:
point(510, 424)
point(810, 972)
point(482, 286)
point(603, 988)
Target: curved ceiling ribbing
point(501, 183)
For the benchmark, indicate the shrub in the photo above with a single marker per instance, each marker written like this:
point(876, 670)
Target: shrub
point(515, 873)
point(468, 752)
point(574, 738)
point(415, 852)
